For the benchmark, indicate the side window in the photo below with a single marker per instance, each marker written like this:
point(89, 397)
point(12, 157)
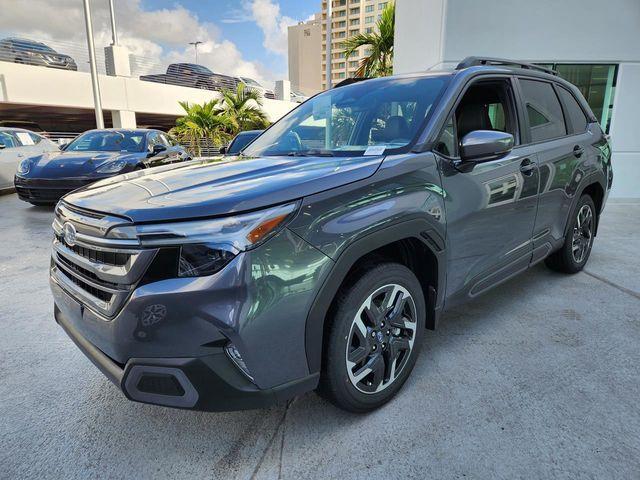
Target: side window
point(164, 140)
point(36, 138)
point(543, 108)
point(8, 140)
point(153, 140)
point(446, 144)
point(487, 105)
point(574, 112)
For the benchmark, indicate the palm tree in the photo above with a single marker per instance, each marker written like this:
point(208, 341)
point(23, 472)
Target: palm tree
point(206, 122)
point(243, 108)
point(379, 63)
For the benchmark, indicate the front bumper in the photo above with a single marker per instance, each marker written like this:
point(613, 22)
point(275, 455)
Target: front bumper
point(208, 383)
point(47, 191)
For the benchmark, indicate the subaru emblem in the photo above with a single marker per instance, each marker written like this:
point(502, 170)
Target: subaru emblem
point(69, 234)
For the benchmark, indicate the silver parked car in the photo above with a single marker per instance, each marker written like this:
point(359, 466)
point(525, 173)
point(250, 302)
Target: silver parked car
point(16, 144)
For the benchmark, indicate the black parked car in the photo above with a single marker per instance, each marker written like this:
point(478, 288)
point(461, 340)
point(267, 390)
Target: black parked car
point(240, 141)
point(319, 257)
point(193, 75)
point(30, 52)
point(92, 156)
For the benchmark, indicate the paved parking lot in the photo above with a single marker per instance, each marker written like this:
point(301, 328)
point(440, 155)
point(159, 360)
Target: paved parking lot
point(538, 379)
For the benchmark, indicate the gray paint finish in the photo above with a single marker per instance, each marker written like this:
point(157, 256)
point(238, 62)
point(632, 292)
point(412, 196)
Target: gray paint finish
point(537, 379)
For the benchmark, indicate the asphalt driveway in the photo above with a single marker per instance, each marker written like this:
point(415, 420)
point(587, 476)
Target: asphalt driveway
point(540, 378)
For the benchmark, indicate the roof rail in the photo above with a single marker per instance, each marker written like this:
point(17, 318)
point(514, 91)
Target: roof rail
point(349, 81)
point(475, 61)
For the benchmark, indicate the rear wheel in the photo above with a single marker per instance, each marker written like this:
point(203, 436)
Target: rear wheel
point(575, 251)
point(374, 338)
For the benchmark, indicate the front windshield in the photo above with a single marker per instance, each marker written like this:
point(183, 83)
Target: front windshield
point(201, 69)
point(367, 118)
point(108, 141)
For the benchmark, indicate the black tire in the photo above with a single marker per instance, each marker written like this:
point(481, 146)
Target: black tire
point(568, 259)
point(343, 336)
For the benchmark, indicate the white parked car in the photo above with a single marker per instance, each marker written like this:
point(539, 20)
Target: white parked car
point(15, 145)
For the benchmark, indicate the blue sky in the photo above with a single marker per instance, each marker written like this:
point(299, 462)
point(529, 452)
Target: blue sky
point(236, 24)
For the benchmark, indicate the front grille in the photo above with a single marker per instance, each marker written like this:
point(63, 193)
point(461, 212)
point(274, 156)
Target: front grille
point(83, 272)
point(100, 256)
point(98, 271)
point(90, 289)
point(42, 194)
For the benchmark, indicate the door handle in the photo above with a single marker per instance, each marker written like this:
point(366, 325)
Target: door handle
point(527, 167)
point(578, 151)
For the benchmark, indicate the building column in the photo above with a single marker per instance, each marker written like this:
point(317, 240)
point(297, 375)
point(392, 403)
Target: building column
point(117, 61)
point(123, 119)
point(283, 90)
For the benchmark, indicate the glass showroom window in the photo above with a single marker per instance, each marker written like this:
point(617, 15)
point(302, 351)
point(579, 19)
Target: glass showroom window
point(597, 82)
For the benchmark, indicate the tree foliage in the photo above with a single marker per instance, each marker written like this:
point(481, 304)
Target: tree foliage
point(379, 62)
point(216, 122)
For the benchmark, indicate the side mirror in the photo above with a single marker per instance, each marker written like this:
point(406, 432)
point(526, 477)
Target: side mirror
point(484, 145)
point(157, 148)
point(223, 150)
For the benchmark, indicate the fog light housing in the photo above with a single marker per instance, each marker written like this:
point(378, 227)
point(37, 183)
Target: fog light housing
point(234, 354)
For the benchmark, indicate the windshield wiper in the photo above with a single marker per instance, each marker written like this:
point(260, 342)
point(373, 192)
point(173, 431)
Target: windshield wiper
point(311, 153)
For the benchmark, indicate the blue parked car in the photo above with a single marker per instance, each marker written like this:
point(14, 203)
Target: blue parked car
point(93, 156)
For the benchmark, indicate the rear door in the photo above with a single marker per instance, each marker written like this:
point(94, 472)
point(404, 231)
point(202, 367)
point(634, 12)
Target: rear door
point(490, 206)
point(561, 140)
point(10, 155)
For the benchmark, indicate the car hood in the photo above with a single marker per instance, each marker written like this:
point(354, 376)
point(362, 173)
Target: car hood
point(73, 164)
point(211, 188)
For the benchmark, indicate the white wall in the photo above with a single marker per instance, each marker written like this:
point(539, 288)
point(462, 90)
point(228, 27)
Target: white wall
point(32, 85)
point(571, 31)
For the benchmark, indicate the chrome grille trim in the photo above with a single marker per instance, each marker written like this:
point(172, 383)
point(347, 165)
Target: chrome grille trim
point(102, 287)
point(127, 274)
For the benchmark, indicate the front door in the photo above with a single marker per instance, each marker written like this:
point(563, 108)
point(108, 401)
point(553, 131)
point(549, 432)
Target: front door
point(490, 206)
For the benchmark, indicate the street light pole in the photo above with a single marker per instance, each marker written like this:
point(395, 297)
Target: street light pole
point(195, 45)
point(328, 49)
point(92, 63)
point(114, 33)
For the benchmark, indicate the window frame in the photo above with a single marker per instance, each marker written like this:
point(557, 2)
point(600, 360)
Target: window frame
point(565, 110)
point(516, 108)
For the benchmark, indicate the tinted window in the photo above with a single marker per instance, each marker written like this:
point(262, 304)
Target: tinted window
point(8, 140)
point(241, 141)
point(446, 144)
point(574, 112)
point(543, 109)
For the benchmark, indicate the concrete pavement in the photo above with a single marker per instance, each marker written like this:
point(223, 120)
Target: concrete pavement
point(540, 378)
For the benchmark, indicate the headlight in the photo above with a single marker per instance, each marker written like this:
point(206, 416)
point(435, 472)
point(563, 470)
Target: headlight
point(24, 166)
point(206, 246)
point(112, 167)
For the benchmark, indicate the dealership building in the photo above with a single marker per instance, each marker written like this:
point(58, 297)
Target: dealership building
point(593, 44)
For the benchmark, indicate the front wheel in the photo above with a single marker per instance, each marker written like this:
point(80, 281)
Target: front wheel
point(374, 338)
point(575, 251)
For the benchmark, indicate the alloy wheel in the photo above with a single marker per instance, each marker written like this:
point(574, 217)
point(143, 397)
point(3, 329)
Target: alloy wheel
point(381, 338)
point(582, 234)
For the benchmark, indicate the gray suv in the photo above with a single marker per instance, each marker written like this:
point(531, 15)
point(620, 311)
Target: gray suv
point(318, 257)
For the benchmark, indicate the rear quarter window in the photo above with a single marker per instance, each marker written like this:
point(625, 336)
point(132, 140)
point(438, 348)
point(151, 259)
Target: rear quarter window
point(575, 114)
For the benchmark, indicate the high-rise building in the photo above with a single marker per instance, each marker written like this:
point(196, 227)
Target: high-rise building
point(305, 50)
point(349, 17)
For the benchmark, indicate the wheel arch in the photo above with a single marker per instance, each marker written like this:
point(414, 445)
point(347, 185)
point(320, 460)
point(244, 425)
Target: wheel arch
point(595, 186)
point(410, 243)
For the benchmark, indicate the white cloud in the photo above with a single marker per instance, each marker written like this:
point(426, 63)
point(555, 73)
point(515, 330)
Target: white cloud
point(273, 24)
point(156, 37)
